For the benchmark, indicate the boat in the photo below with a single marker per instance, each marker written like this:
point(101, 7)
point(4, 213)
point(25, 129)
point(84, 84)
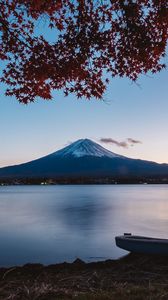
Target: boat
point(142, 244)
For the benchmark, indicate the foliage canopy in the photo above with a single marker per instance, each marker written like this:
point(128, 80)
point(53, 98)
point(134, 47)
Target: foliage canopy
point(94, 37)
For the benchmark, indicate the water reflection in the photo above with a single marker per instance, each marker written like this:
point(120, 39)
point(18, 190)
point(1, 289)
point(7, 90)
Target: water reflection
point(56, 223)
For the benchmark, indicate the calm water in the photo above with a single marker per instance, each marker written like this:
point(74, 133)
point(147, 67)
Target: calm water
point(49, 224)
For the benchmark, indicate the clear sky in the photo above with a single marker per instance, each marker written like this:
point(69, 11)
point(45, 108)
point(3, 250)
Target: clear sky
point(132, 111)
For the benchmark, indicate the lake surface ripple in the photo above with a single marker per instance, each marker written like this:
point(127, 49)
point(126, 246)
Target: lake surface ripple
point(50, 224)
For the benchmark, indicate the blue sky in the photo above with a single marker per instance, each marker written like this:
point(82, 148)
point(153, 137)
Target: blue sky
point(128, 111)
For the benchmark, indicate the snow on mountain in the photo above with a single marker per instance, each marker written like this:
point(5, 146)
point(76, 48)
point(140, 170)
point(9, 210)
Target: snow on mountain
point(85, 147)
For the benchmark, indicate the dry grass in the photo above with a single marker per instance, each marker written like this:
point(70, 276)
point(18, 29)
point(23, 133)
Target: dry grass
point(135, 277)
point(118, 291)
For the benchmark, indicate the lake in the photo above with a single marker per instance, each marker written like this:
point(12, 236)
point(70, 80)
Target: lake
point(50, 224)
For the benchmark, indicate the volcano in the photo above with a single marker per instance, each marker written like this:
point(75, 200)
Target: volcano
point(84, 159)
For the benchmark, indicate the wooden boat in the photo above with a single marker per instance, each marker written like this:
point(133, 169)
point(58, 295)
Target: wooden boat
point(142, 244)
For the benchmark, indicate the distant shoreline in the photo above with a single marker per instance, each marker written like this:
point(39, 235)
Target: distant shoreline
point(83, 183)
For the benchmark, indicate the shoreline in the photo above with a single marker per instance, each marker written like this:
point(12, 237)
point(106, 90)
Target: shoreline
point(146, 182)
point(134, 276)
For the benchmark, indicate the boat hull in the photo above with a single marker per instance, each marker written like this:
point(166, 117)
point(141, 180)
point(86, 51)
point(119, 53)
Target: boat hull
point(141, 244)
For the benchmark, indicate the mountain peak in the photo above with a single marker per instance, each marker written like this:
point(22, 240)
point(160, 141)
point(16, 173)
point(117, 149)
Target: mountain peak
point(85, 147)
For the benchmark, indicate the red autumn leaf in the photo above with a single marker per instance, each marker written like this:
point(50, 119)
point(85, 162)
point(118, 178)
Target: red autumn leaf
point(122, 38)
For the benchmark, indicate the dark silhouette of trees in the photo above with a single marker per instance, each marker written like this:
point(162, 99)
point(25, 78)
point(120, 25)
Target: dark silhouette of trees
point(94, 39)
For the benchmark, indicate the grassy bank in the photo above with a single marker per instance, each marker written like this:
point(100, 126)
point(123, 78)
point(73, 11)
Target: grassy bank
point(136, 277)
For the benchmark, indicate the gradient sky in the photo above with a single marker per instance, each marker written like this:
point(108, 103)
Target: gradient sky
point(129, 110)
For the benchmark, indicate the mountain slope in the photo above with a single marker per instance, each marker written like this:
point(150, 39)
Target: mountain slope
point(85, 147)
point(84, 158)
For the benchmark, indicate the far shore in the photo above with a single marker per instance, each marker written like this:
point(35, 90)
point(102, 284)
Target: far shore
point(134, 277)
point(84, 183)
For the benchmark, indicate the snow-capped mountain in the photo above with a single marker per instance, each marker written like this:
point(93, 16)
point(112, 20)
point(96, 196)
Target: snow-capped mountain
point(85, 147)
point(85, 159)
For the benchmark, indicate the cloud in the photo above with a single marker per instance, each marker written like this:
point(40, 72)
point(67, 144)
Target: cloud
point(132, 141)
point(124, 144)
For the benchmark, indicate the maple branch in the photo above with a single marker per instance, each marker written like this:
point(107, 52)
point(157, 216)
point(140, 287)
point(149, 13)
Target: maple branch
point(12, 32)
